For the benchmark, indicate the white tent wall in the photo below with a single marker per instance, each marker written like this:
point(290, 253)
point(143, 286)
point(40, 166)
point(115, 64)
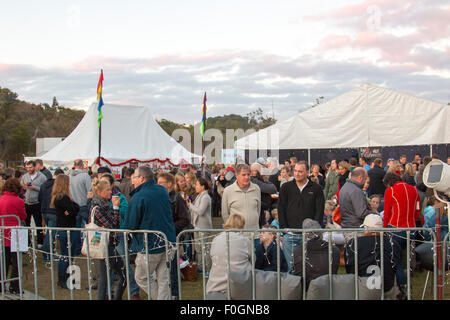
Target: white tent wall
point(367, 116)
point(128, 132)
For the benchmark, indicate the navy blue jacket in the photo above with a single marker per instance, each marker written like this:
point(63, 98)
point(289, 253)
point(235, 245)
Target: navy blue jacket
point(150, 209)
point(267, 259)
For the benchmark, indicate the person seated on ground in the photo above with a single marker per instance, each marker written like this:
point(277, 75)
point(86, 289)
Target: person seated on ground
point(374, 202)
point(429, 215)
point(369, 257)
point(266, 252)
point(240, 248)
point(316, 254)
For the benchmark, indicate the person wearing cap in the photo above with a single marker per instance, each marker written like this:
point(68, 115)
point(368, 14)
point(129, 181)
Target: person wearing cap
point(316, 254)
point(369, 256)
point(298, 199)
point(389, 164)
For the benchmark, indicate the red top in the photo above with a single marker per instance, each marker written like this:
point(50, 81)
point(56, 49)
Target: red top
point(10, 204)
point(401, 206)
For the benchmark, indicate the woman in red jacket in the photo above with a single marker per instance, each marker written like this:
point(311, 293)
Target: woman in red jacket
point(11, 204)
point(401, 210)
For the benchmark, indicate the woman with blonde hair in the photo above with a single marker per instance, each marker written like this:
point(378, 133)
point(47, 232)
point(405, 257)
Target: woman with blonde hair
point(396, 167)
point(409, 174)
point(240, 248)
point(66, 217)
point(107, 217)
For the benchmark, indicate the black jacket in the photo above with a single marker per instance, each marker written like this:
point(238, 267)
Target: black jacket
point(316, 263)
point(376, 185)
point(409, 179)
point(65, 204)
point(267, 259)
point(45, 197)
point(274, 179)
point(180, 211)
point(369, 255)
point(46, 173)
point(294, 207)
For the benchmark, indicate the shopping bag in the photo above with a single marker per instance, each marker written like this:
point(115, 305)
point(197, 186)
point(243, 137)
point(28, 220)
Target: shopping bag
point(96, 240)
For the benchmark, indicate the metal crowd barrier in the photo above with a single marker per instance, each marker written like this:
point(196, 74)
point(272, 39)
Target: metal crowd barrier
point(3, 276)
point(354, 232)
point(33, 230)
point(445, 258)
point(169, 247)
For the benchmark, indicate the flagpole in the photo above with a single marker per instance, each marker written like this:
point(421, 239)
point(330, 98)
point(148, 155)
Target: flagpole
point(100, 123)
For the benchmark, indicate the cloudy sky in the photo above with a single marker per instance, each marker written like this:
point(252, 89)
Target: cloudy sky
point(244, 54)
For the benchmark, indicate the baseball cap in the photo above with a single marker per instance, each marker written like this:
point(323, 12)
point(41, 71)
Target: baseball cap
point(372, 221)
point(261, 161)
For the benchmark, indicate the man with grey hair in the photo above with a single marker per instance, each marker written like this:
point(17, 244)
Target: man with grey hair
point(242, 197)
point(352, 200)
point(316, 254)
point(150, 209)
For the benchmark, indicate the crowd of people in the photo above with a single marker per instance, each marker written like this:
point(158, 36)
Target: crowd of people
point(353, 193)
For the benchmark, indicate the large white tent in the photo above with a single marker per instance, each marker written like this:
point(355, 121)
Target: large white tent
point(367, 116)
point(128, 133)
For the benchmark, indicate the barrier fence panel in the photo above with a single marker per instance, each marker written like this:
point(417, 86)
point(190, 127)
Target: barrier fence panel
point(383, 234)
point(162, 243)
point(202, 240)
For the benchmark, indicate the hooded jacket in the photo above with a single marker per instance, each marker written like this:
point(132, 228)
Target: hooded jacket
point(80, 185)
point(31, 196)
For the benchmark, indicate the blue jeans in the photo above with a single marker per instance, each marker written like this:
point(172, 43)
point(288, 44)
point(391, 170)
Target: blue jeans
point(290, 241)
point(116, 266)
point(187, 245)
point(400, 239)
point(50, 221)
point(63, 262)
point(120, 249)
point(82, 218)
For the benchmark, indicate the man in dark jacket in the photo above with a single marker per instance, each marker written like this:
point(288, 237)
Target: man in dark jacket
point(352, 200)
point(49, 214)
point(376, 175)
point(298, 199)
point(316, 255)
point(181, 219)
point(150, 209)
point(40, 166)
point(369, 257)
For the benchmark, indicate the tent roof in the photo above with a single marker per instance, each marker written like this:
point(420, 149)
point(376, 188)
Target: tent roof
point(128, 132)
point(367, 116)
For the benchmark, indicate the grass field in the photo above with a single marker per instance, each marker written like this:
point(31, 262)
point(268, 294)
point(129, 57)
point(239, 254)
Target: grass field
point(190, 290)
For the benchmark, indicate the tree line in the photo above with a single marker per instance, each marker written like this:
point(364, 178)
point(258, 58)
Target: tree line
point(22, 122)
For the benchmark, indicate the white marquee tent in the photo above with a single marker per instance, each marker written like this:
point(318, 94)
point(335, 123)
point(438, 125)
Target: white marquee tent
point(367, 116)
point(128, 133)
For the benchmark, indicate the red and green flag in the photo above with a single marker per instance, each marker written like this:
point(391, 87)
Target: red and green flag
point(99, 98)
point(203, 126)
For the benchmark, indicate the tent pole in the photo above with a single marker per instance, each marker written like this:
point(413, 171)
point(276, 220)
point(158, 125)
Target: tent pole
point(309, 158)
point(99, 142)
point(431, 150)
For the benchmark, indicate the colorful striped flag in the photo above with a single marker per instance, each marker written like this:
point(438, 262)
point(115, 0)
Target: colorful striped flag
point(203, 127)
point(99, 98)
